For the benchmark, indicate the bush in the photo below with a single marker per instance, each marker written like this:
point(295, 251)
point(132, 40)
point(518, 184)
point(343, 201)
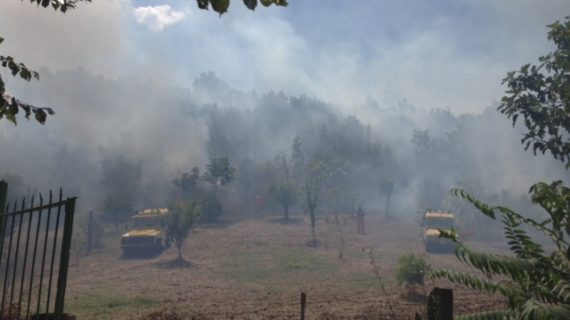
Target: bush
point(179, 220)
point(211, 207)
point(411, 270)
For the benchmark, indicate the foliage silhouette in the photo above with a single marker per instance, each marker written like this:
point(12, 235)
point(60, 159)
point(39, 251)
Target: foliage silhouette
point(536, 282)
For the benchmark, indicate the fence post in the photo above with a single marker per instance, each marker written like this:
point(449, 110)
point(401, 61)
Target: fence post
point(303, 304)
point(64, 261)
point(440, 304)
point(3, 197)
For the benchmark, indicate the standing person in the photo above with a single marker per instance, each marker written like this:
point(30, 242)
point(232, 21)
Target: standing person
point(360, 220)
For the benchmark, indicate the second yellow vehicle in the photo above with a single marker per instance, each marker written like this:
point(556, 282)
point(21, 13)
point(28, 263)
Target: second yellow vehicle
point(433, 221)
point(148, 234)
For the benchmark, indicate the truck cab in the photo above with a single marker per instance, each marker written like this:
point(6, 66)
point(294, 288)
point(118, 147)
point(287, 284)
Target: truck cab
point(432, 222)
point(148, 234)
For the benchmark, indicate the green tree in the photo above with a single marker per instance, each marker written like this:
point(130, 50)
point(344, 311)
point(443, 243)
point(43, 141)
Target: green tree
point(297, 161)
point(285, 193)
point(220, 172)
point(179, 221)
point(189, 182)
point(318, 171)
point(212, 206)
point(535, 281)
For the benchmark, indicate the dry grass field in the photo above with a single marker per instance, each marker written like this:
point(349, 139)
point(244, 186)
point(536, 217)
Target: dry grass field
point(257, 269)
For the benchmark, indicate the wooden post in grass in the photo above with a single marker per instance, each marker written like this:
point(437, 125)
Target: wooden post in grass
point(440, 304)
point(303, 305)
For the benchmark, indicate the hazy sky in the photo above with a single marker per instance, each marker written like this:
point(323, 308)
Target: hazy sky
point(449, 53)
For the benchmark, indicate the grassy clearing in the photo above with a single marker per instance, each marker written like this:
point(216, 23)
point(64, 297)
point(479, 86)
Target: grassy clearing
point(258, 277)
point(249, 266)
point(106, 306)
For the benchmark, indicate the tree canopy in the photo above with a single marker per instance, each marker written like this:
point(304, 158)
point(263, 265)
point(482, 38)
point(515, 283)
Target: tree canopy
point(179, 220)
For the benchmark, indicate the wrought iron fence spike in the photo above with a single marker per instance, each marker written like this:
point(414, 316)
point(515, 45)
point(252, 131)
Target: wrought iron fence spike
point(23, 206)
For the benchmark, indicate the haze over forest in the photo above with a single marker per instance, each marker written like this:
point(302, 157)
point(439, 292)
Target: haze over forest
point(411, 100)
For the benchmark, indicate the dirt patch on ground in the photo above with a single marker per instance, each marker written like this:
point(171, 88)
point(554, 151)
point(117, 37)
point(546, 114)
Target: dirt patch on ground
point(257, 269)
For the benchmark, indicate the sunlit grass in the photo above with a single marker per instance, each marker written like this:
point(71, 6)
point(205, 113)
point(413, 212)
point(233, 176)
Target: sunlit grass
point(249, 266)
point(107, 306)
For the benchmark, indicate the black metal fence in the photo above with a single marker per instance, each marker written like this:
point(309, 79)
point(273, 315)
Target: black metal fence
point(35, 242)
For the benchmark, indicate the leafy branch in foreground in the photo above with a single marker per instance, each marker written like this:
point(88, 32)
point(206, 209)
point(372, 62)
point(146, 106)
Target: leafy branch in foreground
point(10, 106)
point(540, 95)
point(221, 6)
point(535, 282)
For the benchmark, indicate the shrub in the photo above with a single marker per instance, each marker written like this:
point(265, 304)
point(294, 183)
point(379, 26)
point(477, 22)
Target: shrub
point(179, 220)
point(411, 270)
point(211, 207)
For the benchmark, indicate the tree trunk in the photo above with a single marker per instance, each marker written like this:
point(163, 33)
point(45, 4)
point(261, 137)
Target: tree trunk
point(179, 246)
point(388, 196)
point(313, 224)
point(340, 236)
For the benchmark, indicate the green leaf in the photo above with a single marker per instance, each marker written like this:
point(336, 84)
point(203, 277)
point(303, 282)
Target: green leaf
point(40, 116)
point(250, 4)
point(220, 6)
point(203, 4)
point(13, 107)
point(267, 3)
